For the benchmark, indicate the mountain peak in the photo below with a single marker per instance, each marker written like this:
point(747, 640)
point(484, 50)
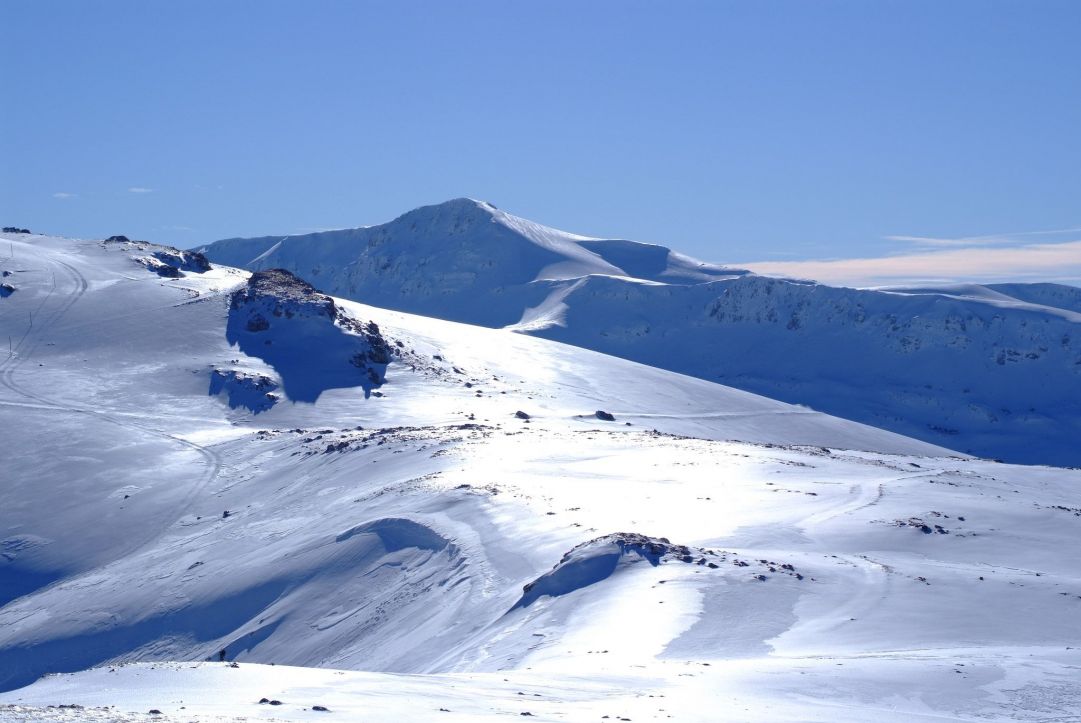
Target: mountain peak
point(462, 258)
point(454, 208)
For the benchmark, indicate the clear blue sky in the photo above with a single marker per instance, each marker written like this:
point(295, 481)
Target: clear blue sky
point(732, 131)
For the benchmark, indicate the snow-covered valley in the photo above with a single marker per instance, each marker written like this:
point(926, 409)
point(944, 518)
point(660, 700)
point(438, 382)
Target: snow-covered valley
point(221, 488)
point(990, 370)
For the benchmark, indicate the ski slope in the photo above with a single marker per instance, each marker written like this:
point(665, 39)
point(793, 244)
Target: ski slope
point(990, 370)
point(179, 482)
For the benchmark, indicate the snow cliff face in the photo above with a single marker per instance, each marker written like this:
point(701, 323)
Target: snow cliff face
point(996, 377)
point(990, 370)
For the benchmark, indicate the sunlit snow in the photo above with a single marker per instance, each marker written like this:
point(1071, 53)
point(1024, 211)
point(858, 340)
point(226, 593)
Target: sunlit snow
point(635, 544)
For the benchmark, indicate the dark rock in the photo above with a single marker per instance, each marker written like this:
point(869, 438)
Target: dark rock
point(15, 229)
point(286, 294)
point(322, 708)
point(604, 416)
point(167, 271)
point(254, 391)
point(274, 297)
point(379, 351)
point(183, 260)
point(119, 239)
point(257, 323)
point(521, 415)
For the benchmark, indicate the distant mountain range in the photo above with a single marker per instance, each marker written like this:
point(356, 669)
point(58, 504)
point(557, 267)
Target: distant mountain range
point(989, 370)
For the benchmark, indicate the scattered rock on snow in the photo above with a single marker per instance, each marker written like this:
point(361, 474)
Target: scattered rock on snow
point(183, 260)
point(283, 295)
point(169, 262)
point(243, 389)
point(924, 527)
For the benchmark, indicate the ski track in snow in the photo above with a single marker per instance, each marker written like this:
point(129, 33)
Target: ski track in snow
point(9, 366)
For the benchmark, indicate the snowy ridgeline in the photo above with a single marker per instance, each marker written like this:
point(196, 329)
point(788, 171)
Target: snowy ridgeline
point(990, 370)
point(501, 526)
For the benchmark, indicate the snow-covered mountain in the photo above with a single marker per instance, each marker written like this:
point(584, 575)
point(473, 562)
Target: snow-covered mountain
point(200, 463)
point(989, 370)
point(463, 260)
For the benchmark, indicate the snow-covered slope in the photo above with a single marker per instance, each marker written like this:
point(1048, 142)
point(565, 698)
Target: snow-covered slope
point(990, 370)
point(493, 514)
point(973, 369)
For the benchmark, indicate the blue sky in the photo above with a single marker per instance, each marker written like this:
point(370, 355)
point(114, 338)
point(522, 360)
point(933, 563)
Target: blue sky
point(774, 131)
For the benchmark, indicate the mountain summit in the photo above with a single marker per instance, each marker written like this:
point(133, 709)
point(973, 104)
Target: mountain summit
point(464, 260)
point(989, 370)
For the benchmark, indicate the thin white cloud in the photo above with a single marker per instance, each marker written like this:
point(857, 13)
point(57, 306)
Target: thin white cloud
point(932, 241)
point(1058, 262)
point(140, 189)
point(63, 195)
point(998, 239)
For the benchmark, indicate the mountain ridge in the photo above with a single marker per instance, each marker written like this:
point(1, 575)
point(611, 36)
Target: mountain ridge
point(892, 357)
